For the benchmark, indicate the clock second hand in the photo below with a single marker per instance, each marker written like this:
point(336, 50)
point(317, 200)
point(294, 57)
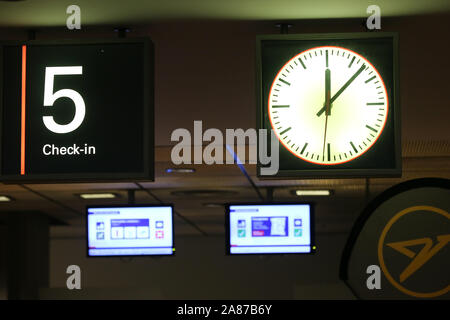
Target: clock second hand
point(342, 89)
point(327, 105)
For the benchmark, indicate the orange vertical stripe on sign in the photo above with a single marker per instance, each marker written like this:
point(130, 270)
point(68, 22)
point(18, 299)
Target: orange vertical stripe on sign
point(22, 133)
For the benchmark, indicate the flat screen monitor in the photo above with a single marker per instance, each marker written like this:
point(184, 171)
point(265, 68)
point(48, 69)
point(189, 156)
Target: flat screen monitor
point(130, 230)
point(269, 228)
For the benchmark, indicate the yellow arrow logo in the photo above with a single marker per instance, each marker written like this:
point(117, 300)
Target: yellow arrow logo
point(420, 258)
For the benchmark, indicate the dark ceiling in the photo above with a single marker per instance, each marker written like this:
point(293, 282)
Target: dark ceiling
point(51, 13)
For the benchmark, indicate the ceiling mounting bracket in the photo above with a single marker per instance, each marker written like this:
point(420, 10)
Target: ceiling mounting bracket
point(122, 31)
point(284, 27)
point(270, 194)
point(131, 196)
point(32, 34)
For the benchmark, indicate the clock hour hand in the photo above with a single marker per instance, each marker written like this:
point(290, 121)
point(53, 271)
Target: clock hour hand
point(342, 89)
point(327, 105)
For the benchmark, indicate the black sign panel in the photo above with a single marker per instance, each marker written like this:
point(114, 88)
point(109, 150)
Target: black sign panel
point(77, 111)
point(332, 101)
point(399, 248)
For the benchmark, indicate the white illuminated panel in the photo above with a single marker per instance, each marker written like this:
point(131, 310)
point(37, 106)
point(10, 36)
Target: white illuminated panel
point(312, 192)
point(130, 231)
point(284, 228)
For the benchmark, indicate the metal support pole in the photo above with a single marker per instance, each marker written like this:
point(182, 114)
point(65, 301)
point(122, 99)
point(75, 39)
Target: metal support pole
point(270, 194)
point(122, 32)
point(131, 196)
point(284, 27)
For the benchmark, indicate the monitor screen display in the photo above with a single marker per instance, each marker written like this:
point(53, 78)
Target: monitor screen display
point(130, 231)
point(269, 228)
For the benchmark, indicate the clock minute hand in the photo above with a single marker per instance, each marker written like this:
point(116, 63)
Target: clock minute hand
point(341, 90)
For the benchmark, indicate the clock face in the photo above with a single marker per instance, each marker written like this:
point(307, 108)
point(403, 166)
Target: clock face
point(328, 105)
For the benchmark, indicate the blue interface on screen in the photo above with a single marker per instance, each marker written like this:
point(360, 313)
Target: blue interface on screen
point(130, 231)
point(259, 229)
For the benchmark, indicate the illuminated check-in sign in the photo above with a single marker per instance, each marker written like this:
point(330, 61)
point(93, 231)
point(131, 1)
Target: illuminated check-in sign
point(77, 111)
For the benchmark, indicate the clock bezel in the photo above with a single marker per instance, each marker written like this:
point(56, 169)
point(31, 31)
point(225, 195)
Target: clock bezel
point(330, 171)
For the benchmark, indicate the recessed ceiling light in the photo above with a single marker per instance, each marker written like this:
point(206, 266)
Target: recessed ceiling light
point(213, 205)
point(5, 199)
point(89, 196)
point(180, 170)
point(302, 193)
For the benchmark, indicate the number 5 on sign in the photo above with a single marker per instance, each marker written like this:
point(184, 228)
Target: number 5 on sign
point(50, 97)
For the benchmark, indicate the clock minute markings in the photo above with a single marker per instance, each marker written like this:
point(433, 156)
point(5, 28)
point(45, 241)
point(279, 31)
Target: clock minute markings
point(284, 81)
point(285, 130)
point(351, 62)
point(370, 79)
point(304, 147)
point(353, 146)
point(328, 152)
point(301, 61)
point(281, 106)
point(370, 128)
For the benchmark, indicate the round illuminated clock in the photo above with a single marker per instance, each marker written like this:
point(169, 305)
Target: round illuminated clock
point(328, 105)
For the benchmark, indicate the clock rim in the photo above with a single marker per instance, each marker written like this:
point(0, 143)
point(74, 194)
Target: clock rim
point(321, 163)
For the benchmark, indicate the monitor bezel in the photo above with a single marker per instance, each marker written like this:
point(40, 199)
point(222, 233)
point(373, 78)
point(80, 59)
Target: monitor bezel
point(130, 206)
point(311, 228)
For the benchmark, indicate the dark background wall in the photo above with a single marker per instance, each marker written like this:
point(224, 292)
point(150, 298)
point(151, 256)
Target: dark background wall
point(200, 270)
point(3, 245)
